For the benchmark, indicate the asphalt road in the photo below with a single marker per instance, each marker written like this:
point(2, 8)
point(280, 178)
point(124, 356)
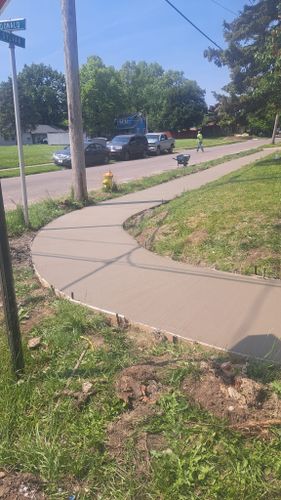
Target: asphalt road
point(55, 184)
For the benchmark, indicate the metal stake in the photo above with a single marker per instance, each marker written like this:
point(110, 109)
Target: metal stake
point(9, 297)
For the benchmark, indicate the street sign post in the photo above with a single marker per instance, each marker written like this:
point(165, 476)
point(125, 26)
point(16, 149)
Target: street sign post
point(19, 135)
point(13, 24)
point(6, 35)
point(11, 38)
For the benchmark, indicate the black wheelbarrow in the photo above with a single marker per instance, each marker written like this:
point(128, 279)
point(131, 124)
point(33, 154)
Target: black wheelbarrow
point(182, 159)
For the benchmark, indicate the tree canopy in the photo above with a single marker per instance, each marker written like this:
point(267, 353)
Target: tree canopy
point(42, 98)
point(253, 55)
point(102, 96)
point(167, 98)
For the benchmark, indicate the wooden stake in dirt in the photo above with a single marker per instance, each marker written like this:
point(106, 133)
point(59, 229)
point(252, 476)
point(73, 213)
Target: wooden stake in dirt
point(9, 297)
point(73, 100)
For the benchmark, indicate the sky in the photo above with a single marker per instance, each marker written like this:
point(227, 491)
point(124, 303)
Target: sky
point(126, 30)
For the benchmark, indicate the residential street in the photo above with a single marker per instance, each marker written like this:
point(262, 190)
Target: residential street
point(55, 184)
point(88, 255)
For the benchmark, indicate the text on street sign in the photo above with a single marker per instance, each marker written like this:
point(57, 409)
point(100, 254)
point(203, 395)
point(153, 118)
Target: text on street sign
point(7, 37)
point(13, 25)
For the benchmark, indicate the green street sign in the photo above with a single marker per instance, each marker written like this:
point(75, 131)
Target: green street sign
point(13, 25)
point(7, 37)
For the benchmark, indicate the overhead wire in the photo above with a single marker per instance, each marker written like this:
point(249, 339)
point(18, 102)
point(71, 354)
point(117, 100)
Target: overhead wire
point(192, 24)
point(223, 7)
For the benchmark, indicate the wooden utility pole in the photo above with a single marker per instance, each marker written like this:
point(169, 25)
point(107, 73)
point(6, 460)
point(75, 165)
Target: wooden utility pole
point(73, 100)
point(275, 128)
point(8, 294)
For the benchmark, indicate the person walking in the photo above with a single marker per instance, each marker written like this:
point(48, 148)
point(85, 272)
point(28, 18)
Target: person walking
point(200, 141)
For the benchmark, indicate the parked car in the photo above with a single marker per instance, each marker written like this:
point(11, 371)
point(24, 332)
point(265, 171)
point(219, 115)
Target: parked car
point(158, 143)
point(95, 154)
point(125, 147)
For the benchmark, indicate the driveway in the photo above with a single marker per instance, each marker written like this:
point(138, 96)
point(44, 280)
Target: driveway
point(88, 255)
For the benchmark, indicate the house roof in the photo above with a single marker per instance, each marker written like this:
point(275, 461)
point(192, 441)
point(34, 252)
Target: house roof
point(47, 129)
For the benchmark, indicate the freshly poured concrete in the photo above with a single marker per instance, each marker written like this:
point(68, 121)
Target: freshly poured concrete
point(88, 254)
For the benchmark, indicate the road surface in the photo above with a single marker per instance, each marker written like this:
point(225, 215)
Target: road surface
point(56, 184)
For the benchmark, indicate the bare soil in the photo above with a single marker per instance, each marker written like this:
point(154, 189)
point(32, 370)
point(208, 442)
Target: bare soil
point(20, 249)
point(18, 486)
point(140, 388)
point(221, 388)
point(225, 391)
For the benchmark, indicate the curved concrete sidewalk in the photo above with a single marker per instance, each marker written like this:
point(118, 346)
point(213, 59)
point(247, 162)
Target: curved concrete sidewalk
point(87, 254)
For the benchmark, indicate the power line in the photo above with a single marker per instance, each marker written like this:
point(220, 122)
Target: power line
point(223, 7)
point(192, 24)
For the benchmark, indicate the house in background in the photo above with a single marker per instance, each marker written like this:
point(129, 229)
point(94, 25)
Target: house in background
point(42, 134)
point(46, 134)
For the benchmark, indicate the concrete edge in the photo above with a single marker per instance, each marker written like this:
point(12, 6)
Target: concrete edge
point(121, 321)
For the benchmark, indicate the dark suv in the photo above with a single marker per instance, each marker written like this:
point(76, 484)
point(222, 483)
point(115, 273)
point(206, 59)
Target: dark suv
point(125, 147)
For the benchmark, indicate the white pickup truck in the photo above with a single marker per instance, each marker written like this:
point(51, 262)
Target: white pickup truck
point(158, 143)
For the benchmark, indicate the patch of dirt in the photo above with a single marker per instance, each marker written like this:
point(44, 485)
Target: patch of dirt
point(19, 486)
point(144, 340)
point(97, 341)
point(37, 301)
point(123, 429)
point(140, 388)
point(20, 249)
point(197, 237)
point(255, 254)
point(144, 444)
point(147, 236)
point(226, 392)
point(138, 383)
point(35, 316)
point(80, 398)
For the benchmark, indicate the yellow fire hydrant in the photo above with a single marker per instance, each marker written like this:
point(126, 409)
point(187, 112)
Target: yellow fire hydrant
point(108, 181)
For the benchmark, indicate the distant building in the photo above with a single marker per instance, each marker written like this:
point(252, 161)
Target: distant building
point(45, 133)
point(40, 135)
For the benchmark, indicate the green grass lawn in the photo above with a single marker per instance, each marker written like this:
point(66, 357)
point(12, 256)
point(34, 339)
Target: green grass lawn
point(217, 141)
point(35, 154)
point(232, 224)
point(15, 172)
point(154, 447)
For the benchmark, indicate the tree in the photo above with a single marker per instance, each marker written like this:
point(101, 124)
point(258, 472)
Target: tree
point(253, 57)
point(102, 96)
point(184, 105)
point(170, 100)
point(167, 98)
point(44, 87)
point(42, 99)
point(142, 85)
